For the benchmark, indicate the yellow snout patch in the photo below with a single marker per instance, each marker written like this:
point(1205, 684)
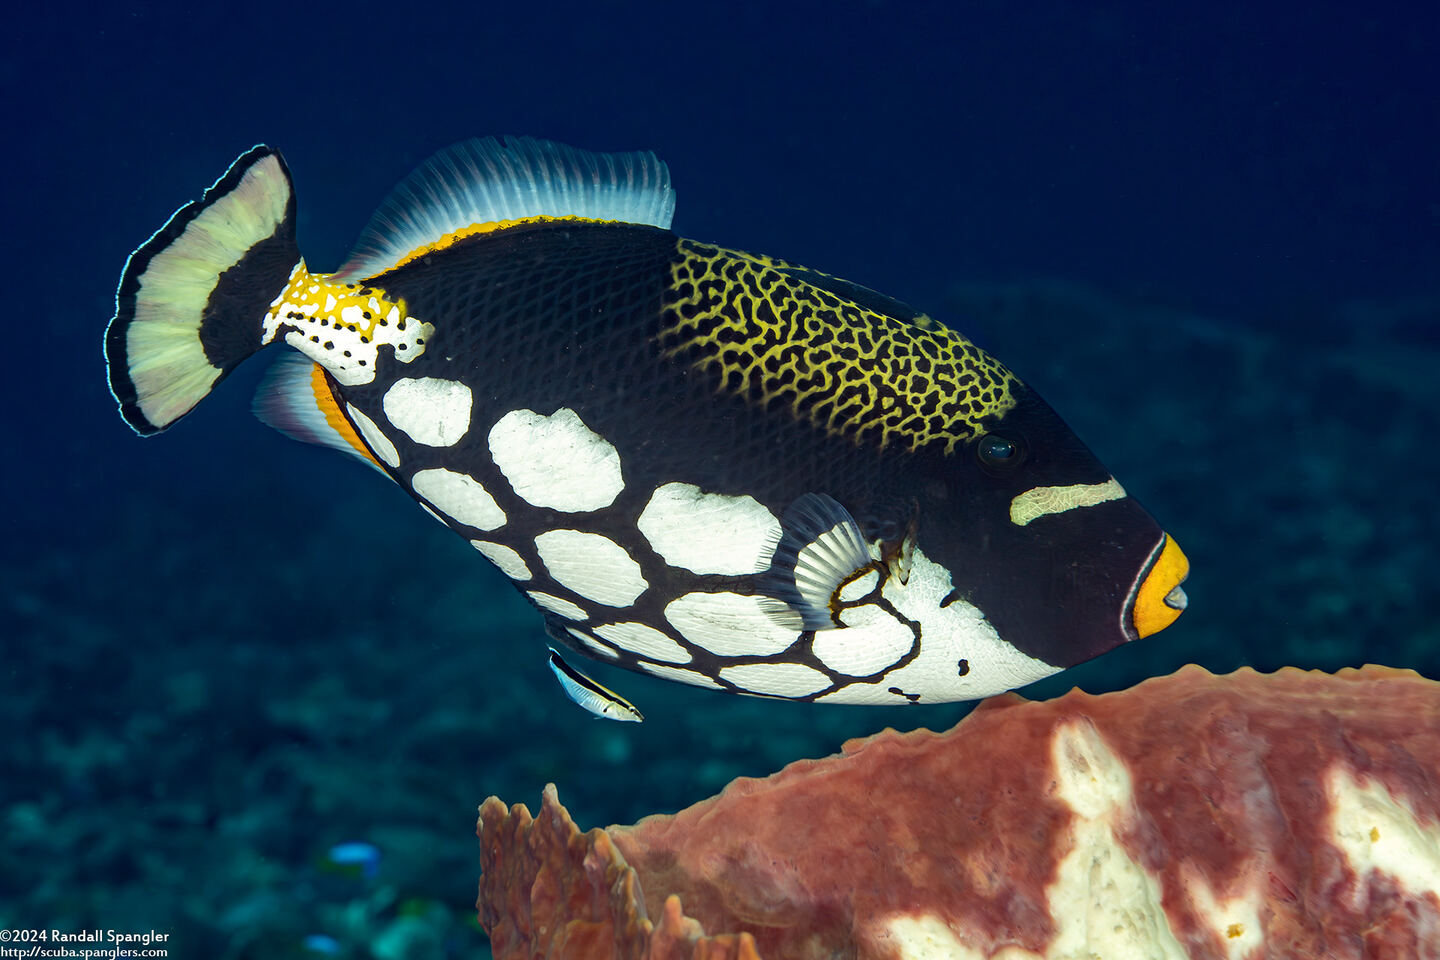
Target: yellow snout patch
point(1160, 600)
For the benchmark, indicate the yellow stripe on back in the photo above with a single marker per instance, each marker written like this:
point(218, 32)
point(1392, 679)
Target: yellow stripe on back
point(475, 229)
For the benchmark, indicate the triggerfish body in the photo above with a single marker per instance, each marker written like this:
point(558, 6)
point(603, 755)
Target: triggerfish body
point(706, 465)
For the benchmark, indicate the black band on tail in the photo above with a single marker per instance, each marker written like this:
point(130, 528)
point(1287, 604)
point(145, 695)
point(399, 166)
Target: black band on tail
point(192, 299)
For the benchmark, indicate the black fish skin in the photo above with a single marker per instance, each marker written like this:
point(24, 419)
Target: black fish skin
point(565, 314)
point(704, 464)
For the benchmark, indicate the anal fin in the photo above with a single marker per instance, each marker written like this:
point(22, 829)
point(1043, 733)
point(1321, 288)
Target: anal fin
point(296, 398)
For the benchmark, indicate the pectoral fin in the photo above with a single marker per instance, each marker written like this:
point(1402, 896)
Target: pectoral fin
point(821, 550)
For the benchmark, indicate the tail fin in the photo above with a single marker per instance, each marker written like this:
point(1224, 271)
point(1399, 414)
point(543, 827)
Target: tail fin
point(193, 297)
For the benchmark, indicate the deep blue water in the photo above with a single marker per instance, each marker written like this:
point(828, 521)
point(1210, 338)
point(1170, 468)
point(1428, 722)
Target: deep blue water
point(1210, 237)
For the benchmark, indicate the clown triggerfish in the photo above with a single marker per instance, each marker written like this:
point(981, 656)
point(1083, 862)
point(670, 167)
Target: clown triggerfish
point(710, 466)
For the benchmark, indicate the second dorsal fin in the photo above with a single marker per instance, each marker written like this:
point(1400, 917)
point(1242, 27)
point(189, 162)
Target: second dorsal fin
point(493, 179)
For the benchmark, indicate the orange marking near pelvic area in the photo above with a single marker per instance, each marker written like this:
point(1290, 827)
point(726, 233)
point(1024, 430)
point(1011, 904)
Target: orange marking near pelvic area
point(329, 405)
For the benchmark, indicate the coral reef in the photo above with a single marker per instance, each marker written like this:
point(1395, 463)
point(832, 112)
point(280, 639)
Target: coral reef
point(1202, 816)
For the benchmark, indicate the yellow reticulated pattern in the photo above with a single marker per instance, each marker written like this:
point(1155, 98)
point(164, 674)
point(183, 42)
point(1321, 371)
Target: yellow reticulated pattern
point(773, 333)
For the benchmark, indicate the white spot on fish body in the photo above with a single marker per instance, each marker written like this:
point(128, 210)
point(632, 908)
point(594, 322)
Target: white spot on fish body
point(379, 444)
point(860, 586)
point(871, 641)
point(556, 461)
point(1040, 502)
point(559, 605)
point(604, 649)
point(728, 624)
point(461, 497)
point(644, 641)
point(510, 563)
point(430, 410)
point(595, 567)
point(709, 533)
point(680, 675)
point(951, 635)
point(776, 679)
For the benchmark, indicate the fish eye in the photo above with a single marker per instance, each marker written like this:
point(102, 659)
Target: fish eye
point(998, 452)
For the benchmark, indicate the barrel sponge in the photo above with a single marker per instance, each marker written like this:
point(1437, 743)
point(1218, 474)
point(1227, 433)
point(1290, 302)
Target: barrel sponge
point(548, 890)
point(1294, 814)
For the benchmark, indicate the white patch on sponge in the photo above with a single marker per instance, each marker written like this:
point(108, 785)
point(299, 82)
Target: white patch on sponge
point(928, 938)
point(1379, 832)
point(1235, 920)
point(1103, 903)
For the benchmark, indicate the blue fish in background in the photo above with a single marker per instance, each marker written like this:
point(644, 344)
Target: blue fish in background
point(355, 856)
point(321, 943)
point(707, 465)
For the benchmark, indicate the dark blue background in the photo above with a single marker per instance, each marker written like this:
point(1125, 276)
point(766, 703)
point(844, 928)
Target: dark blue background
point(1208, 235)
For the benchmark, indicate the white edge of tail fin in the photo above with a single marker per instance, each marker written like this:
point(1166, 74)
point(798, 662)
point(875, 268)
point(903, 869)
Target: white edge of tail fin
point(192, 298)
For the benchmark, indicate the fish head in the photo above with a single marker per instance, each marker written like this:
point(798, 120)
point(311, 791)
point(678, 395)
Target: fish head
point(1040, 539)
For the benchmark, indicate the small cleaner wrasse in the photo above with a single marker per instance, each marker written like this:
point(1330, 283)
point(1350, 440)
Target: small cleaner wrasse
point(703, 464)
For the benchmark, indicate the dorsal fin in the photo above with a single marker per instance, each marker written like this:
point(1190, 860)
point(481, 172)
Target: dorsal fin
point(511, 178)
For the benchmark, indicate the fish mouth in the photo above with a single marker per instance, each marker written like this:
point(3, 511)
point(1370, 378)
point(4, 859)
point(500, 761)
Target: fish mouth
point(1158, 599)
